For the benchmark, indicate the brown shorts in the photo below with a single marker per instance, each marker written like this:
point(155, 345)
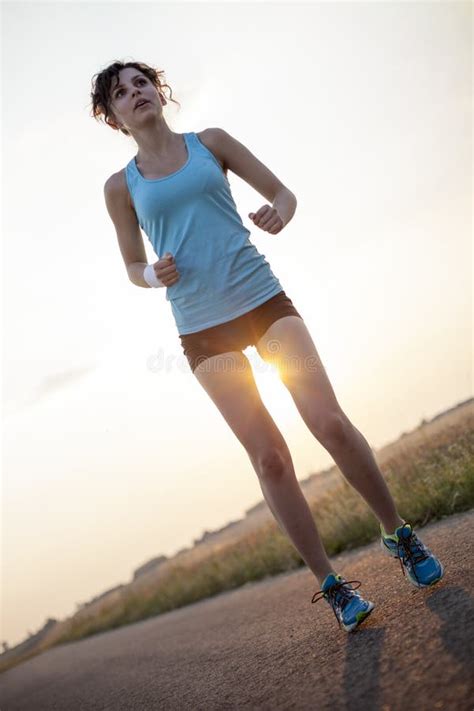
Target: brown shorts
point(237, 334)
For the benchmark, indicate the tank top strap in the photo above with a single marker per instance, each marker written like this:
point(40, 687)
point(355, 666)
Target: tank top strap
point(195, 147)
point(203, 151)
point(191, 139)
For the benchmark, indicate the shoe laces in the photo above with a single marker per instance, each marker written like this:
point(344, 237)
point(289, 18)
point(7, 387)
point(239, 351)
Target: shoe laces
point(413, 550)
point(338, 594)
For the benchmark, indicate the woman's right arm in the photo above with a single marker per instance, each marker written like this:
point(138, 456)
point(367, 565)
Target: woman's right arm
point(127, 228)
point(130, 238)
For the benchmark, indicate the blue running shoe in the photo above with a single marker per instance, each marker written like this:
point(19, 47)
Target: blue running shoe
point(349, 608)
point(422, 567)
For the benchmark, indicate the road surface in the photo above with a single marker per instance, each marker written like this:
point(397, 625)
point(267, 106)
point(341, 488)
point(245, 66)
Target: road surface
point(265, 646)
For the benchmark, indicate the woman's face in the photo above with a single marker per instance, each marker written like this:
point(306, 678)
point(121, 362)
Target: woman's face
point(127, 89)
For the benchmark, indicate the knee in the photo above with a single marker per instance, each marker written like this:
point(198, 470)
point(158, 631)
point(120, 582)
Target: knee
point(273, 464)
point(333, 429)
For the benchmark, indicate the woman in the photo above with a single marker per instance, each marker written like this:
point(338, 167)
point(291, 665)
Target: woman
point(225, 297)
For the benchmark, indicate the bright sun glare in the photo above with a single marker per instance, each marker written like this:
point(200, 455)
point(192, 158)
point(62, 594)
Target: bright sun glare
point(273, 392)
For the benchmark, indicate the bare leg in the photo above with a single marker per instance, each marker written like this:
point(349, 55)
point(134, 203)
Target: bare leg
point(287, 344)
point(229, 382)
point(286, 501)
point(355, 459)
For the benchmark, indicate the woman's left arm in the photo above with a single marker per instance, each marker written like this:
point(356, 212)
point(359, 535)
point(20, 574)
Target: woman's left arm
point(235, 156)
point(273, 219)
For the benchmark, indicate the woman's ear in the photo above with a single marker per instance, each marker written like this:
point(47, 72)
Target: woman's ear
point(114, 125)
point(112, 121)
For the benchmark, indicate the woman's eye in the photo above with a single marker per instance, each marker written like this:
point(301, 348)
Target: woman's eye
point(120, 90)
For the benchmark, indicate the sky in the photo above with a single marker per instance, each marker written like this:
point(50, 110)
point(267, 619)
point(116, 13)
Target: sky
point(113, 453)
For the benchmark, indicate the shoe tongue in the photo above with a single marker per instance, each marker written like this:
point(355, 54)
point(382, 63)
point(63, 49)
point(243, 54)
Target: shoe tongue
point(404, 531)
point(330, 580)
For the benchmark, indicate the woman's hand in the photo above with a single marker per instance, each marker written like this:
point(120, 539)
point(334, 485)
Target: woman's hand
point(268, 219)
point(165, 270)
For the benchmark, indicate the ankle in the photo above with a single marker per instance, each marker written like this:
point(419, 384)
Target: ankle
point(390, 530)
point(321, 579)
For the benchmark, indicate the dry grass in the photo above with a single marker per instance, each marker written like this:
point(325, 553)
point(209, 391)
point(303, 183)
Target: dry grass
point(430, 473)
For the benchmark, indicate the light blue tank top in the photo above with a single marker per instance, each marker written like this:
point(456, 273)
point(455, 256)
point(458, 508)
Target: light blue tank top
point(192, 214)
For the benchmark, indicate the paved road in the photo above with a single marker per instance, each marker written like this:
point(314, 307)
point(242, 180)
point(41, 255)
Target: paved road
point(265, 646)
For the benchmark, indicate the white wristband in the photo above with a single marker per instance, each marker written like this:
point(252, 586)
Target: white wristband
point(150, 277)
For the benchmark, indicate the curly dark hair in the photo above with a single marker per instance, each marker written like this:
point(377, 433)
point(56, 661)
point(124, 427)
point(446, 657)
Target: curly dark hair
point(102, 84)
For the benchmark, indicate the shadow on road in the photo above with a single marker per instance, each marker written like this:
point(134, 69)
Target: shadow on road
point(455, 607)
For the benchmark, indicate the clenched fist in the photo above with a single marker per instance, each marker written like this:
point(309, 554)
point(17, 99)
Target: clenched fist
point(165, 270)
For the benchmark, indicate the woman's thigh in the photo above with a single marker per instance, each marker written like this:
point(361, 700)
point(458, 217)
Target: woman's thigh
point(288, 345)
point(229, 381)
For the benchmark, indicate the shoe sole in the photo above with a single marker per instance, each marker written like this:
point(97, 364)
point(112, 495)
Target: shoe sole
point(361, 616)
point(413, 582)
